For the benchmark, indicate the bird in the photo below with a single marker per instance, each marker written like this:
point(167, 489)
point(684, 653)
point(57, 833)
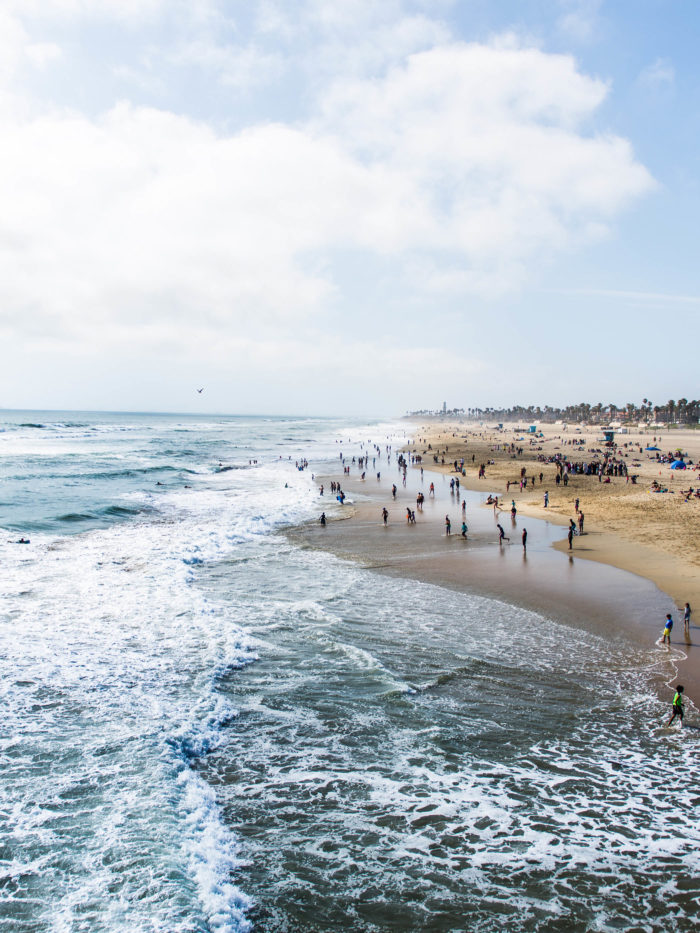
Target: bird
point(200, 390)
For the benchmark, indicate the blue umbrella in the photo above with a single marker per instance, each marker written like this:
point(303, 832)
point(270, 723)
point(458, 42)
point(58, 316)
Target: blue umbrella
point(652, 448)
point(678, 465)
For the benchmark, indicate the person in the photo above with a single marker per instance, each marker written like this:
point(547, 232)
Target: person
point(576, 504)
point(393, 490)
point(464, 506)
point(431, 490)
point(501, 535)
point(667, 629)
point(546, 499)
point(323, 518)
point(570, 536)
point(321, 488)
point(385, 515)
point(525, 538)
point(686, 618)
point(464, 529)
point(448, 525)
point(408, 515)
point(580, 522)
point(677, 705)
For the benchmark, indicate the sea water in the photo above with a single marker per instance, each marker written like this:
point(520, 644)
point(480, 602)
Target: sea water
point(208, 728)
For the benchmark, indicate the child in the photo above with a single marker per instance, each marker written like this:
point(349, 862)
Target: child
point(667, 629)
point(677, 705)
point(686, 618)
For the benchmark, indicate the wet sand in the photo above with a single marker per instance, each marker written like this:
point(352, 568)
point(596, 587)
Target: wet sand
point(602, 599)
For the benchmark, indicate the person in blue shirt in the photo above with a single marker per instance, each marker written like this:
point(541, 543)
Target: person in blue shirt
point(668, 625)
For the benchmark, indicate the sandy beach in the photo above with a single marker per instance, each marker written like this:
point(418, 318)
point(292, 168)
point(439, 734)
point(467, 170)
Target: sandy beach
point(637, 559)
point(629, 525)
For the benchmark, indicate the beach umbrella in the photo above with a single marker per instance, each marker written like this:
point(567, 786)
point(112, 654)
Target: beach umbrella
point(678, 465)
point(652, 448)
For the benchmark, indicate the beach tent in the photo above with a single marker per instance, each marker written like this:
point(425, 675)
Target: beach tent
point(678, 465)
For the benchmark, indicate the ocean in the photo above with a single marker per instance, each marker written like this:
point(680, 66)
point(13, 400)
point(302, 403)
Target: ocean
point(207, 727)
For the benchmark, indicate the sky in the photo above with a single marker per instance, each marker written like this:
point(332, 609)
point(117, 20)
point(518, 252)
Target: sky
point(356, 207)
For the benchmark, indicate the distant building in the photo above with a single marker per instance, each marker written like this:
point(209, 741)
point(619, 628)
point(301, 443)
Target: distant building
point(444, 408)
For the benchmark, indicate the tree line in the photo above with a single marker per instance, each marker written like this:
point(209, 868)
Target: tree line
point(670, 412)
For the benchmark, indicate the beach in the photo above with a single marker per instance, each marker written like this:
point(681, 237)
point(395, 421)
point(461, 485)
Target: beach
point(654, 535)
point(539, 577)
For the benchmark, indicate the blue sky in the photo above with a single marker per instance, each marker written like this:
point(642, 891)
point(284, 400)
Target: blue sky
point(347, 207)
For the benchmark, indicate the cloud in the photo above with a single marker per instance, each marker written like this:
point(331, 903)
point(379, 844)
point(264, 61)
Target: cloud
point(658, 76)
point(464, 165)
point(580, 19)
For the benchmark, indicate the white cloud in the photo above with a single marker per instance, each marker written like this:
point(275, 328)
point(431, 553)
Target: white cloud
point(659, 75)
point(580, 19)
point(41, 54)
point(469, 162)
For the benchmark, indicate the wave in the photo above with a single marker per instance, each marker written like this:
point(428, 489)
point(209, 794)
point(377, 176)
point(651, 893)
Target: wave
point(108, 511)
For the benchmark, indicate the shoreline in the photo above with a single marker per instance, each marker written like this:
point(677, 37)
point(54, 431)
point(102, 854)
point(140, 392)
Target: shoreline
point(603, 592)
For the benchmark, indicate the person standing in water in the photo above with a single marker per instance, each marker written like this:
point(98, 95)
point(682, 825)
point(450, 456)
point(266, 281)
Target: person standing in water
point(448, 525)
point(501, 535)
point(525, 539)
point(677, 705)
point(668, 625)
point(323, 518)
point(385, 515)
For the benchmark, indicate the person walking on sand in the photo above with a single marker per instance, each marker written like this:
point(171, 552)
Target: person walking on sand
point(385, 515)
point(448, 525)
point(677, 705)
point(668, 625)
point(525, 539)
point(501, 535)
point(546, 499)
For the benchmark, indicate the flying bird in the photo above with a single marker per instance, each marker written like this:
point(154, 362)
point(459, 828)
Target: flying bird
point(200, 390)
